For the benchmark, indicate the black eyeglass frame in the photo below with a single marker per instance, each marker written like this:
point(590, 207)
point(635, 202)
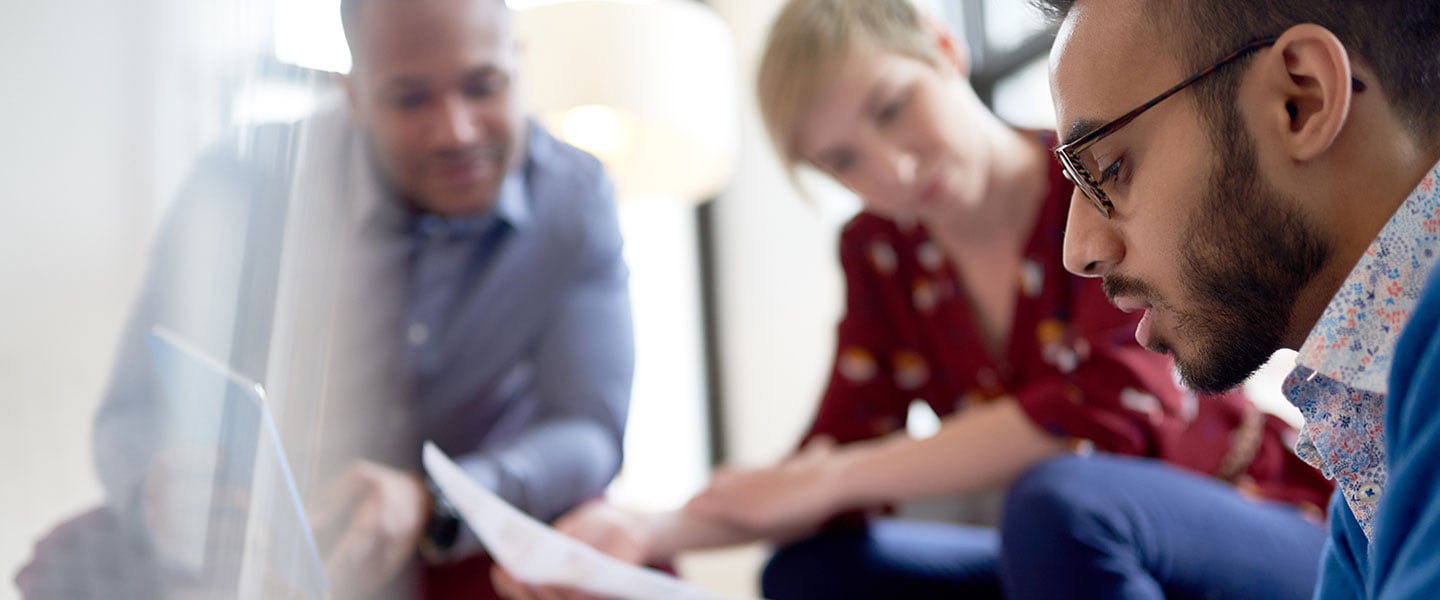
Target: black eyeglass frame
point(1069, 153)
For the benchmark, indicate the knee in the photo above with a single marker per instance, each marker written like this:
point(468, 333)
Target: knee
point(792, 572)
point(1054, 502)
point(823, 566)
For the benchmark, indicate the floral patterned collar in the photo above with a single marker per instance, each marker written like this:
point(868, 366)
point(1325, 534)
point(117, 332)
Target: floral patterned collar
point(1341, 375)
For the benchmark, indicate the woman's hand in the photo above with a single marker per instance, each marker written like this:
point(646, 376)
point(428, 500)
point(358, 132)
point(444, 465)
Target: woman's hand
point(618, 532)
point(780, 502)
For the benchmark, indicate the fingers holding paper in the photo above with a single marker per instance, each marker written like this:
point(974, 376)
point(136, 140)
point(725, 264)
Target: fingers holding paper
point(378, 513)
point(618, 532)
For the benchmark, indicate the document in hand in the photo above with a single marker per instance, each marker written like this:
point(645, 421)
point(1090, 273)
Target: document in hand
point(537, 554)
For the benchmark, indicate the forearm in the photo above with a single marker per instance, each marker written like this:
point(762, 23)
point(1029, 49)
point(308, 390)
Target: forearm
point(679, 531)
point(982, 448)
point(550, 467)
point(583, 368)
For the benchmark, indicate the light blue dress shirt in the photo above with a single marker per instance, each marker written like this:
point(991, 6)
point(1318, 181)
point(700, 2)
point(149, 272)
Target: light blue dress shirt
point(518, 333)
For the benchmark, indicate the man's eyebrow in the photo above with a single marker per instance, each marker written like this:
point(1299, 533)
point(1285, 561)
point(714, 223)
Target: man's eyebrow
point(830, 156)
point(405, 83)
point(1078, 129)
point(485, 70)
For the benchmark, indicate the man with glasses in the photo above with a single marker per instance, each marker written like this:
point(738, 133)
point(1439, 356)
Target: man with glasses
point(1282, 195)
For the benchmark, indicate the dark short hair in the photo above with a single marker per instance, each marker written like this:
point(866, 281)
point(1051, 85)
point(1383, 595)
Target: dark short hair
point(350, 22)
point(1398, 39)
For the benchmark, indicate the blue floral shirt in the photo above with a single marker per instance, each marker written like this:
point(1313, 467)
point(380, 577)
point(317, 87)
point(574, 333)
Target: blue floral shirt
point(1340, 379)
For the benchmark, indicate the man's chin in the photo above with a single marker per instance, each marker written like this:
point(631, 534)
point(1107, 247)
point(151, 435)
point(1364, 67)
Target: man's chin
point(458, 205)
point(1213, 376)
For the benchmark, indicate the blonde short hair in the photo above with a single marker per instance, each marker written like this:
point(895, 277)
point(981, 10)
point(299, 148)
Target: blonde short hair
point(811, 39)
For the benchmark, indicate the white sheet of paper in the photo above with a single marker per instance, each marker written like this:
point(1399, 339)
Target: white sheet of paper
point(536, 554)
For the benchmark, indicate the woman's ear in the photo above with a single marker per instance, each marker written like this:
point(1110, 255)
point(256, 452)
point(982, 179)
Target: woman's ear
point(1307, 93)
point(953, 51)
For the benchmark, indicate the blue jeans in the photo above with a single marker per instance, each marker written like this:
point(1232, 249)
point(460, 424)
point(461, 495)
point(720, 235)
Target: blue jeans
point(1096, 527)
point(1115, 527)
point(887, 558)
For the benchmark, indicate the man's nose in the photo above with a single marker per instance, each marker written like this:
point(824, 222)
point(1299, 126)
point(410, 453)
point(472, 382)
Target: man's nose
point(1092, 247)
point(457, 125)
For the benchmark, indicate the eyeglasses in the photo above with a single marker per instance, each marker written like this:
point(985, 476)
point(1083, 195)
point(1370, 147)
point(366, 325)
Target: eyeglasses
point(1078, 164)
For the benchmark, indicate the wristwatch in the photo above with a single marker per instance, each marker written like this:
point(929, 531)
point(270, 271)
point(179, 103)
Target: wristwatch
point(442, 530)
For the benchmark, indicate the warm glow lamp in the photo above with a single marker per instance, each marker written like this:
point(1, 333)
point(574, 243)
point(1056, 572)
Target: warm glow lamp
point(648, 86)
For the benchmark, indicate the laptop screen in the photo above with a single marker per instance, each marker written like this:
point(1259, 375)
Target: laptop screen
point(230, 492)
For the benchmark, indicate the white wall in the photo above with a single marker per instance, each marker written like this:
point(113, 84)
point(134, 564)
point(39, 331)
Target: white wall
point(69, 260)
point(666, 438)
point(779, 283)
point(104, 103)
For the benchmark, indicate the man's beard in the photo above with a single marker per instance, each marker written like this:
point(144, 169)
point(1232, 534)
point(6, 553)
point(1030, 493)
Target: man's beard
point(1246, 255)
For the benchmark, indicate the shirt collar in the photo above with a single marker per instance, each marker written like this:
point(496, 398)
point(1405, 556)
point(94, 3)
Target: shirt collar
point(513, 204)
point(1341, 376)
point(1354, 339)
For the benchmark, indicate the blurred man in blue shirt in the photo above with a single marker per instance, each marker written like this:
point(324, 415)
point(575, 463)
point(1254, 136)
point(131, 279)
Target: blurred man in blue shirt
point(449, 272)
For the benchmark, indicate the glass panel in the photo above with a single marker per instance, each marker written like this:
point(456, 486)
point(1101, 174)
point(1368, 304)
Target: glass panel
point(119, 100)
point(150, 185)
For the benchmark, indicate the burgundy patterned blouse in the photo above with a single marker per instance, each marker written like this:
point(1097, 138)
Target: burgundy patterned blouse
point(1072, 362)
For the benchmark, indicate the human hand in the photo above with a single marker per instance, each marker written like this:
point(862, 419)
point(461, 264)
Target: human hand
point(621, 533)
point(380, 513)
point(780, 502)
point(189, 514)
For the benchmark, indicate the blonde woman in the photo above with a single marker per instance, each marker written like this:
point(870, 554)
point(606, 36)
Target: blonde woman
point(957, 297)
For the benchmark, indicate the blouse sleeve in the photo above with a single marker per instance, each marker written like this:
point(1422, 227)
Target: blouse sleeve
point(862, 399)
point(1096, 385)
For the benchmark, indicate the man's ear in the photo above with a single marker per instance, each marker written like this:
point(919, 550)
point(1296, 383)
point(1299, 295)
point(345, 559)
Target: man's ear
point(953, 51)
point(1307, 93)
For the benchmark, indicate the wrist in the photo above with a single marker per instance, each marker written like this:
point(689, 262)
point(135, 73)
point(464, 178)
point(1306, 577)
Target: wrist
point(656, 536)
point(849, 478)
point(442, 525)
point(676, 531)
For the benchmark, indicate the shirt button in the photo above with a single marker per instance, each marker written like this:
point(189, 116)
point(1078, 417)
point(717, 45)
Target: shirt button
point(1370, 493)
point(418, 334)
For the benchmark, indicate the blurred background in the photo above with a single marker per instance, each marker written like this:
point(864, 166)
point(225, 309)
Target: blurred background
point(735, 282)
